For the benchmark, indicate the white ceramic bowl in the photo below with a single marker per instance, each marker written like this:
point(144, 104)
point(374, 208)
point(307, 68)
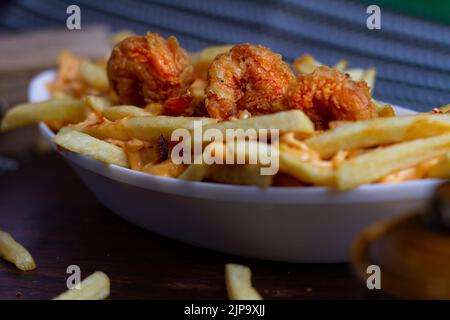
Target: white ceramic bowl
point(313, 224)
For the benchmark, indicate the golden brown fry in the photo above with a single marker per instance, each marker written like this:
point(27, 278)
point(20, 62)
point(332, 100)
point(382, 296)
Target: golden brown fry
point(306, 171)
point(368, 133)
point(63, 110)
point(14, 252)
point(145, 128)
point(82, 143)
point(97, 104)
point(306, 64)
point(94, 75)
point(120, 112)
point(95, 287)
point(386, 111)
point(376, 164)
point(341, 65)
point(445, 108)
point(202, 60)
point(442, 169)
point(238, 283)
point(369, 77)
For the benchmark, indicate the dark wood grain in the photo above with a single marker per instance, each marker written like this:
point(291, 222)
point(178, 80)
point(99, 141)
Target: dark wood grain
point(47, 208)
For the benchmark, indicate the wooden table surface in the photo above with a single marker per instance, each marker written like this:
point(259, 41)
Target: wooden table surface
point(48, 209)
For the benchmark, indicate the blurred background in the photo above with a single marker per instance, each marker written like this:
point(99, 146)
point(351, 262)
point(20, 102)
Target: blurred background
point(411, 51)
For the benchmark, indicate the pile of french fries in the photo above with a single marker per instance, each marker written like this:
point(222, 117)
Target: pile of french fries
point(383, 150)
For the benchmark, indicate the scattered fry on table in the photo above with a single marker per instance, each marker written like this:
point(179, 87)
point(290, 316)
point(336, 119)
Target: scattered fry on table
point(238, 283)
point(14, 252)
point(94, 287)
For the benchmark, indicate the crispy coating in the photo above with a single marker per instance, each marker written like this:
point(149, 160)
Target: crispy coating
point(327, 95)
point(149, 69)
point(248, 78)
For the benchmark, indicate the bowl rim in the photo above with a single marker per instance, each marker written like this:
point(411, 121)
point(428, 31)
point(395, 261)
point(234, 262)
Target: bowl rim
point(409, 190)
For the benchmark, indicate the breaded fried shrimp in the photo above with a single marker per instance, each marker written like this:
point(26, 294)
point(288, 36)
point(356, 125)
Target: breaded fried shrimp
point(327, 95)
point(149, 69)
point(247, 78)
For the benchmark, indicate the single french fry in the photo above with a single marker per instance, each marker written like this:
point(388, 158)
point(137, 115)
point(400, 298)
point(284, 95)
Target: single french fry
point(306, 64)
point(64, 110)
point(369, 77)
point(203, 59)
point(341, 65)
point(374, 165)
point(94, 287)
point(368, 133)
point(97, 104)
point(14, 252)
point(238, 283)
point(442, 169)
point(287, 121)
point(147, 128)
point(445, 108)
point(306, 171)
point(79, 142)
point(94, 75)
point(386, 111)
point(356, 74)
point(120, 112)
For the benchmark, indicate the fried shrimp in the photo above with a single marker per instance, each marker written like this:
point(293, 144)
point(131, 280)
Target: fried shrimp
point(247, 78)
point(327, 95)
point(149, 69)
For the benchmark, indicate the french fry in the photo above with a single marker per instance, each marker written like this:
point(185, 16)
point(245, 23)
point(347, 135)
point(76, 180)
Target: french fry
point(14, 252)
point(376, 164)
point(120, 112)
point(341, 65)
point(294, 120)
point(240, 174)
point(306, 171)
point(442, 169)
point(97, 104)
point(306, 64)
point(386, 111)
point(203, 59)
point(94, 75)
point(369, 77)
point(356, 74)
point(238, 283)
point(445, 108)
point(94, 287)
point(82, 143)
point(64, 110)
point(145, 128)
point(368, 133)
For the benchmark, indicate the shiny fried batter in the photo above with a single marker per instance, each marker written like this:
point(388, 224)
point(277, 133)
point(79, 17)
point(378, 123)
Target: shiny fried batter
point(248, 78)
point(149, 69)
point(327, 95)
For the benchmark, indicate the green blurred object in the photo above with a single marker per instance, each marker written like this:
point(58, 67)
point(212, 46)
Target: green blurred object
point(436, 10)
